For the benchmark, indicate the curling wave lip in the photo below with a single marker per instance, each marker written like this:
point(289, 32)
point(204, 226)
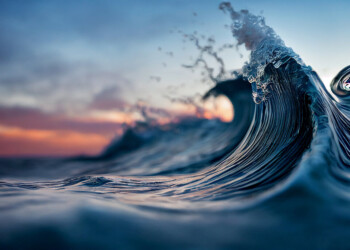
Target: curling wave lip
point(340, 85)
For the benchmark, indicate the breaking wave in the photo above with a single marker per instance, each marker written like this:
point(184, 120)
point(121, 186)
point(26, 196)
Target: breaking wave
point(277, 174)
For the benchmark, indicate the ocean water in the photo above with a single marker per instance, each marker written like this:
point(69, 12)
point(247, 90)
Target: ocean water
point(276, 177)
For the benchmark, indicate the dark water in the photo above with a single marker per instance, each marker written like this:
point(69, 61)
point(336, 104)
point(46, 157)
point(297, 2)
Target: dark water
point(277, 177)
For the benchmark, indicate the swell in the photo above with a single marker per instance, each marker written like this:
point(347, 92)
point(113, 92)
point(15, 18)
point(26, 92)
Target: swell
point(215, 139)
point(281, 130)
point(334, 120)
point(294, 124)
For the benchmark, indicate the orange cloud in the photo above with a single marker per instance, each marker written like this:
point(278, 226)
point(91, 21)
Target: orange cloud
point(31, 132)
point(27, 142)
point(35, 119)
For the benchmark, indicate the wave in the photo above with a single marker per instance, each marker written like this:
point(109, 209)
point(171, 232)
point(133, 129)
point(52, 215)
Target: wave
point(284, 155)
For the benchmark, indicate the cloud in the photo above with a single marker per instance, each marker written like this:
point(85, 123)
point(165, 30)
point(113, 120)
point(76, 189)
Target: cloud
point(34, 119)
point(30, 132)
point(53, 84)
point(109, 99)
point(117, 22)
point(57, 55)
point(24, 142)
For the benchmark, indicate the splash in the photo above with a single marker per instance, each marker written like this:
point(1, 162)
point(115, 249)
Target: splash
point(267, 48)
point(247, 28)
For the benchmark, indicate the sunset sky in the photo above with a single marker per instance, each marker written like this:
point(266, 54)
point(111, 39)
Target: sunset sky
point(72, 72)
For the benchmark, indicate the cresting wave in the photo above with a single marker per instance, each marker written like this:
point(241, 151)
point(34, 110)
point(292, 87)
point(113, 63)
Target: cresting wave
point(284, 159)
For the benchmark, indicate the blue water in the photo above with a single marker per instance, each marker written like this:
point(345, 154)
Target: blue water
point(276, 177)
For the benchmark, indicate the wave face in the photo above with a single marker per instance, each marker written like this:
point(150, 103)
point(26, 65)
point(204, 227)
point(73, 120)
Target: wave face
point(276, 177)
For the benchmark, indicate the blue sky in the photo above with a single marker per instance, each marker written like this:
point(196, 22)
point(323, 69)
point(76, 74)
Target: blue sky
point(53, 52)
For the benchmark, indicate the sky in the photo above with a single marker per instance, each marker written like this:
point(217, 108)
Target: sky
point(72, 73)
